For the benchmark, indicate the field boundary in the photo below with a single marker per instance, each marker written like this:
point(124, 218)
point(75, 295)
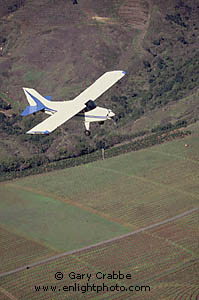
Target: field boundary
point(43, 261)
point(39, 165)
point(6, 293)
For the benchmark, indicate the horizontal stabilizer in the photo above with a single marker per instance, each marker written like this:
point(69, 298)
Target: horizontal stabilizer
point(31, 109)
point(36, 101)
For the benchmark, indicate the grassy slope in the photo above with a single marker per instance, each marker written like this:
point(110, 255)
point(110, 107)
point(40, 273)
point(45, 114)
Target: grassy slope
point(160, 181)
point(186, 108)
point(62, 55)
point(56, 224)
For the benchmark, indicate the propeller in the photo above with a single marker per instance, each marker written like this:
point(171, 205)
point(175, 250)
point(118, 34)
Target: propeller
point(114, 121)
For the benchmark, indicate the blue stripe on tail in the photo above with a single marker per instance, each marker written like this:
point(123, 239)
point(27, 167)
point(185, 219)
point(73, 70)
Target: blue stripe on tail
point(39, 106)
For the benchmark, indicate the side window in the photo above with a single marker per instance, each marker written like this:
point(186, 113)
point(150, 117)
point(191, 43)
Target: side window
point(90, 105)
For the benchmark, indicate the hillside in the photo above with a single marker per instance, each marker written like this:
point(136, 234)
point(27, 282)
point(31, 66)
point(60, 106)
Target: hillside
point(59, 49)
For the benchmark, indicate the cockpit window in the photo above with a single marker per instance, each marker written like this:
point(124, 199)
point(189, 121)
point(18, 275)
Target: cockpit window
point(90, 105)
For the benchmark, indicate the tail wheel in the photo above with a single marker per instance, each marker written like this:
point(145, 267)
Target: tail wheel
point(87, 132)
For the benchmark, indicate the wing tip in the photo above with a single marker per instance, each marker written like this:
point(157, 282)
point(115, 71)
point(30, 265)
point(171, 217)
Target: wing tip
point(38, 132)
point(25, 89)
point(123, 72)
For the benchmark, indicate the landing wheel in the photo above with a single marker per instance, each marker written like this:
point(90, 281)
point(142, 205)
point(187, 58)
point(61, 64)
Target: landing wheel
point(87, 132)
point(101, 122)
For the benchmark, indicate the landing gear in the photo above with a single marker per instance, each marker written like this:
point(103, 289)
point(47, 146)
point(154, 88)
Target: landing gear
point(87, 132)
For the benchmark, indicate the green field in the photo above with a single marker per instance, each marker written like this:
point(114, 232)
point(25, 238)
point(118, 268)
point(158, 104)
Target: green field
point(57, 224)
point(136, 189)
point(54, 212)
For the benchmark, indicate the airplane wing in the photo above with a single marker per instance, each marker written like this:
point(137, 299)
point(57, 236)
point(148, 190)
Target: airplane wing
point(101, 85)
point(57, 119)
point(75, 106)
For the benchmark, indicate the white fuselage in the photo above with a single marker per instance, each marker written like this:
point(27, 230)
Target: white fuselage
point(98, 114)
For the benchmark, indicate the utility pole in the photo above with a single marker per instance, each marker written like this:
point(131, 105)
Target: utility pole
point(103, 153)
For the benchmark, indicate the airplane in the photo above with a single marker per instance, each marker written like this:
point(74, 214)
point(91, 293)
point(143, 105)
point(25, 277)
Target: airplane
point(82, 107)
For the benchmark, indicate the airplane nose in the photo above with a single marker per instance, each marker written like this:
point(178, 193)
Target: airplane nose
point(111, 114)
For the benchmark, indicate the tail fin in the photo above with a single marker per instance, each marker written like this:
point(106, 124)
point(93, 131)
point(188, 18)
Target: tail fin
point(28, 96)
point(36, 101)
